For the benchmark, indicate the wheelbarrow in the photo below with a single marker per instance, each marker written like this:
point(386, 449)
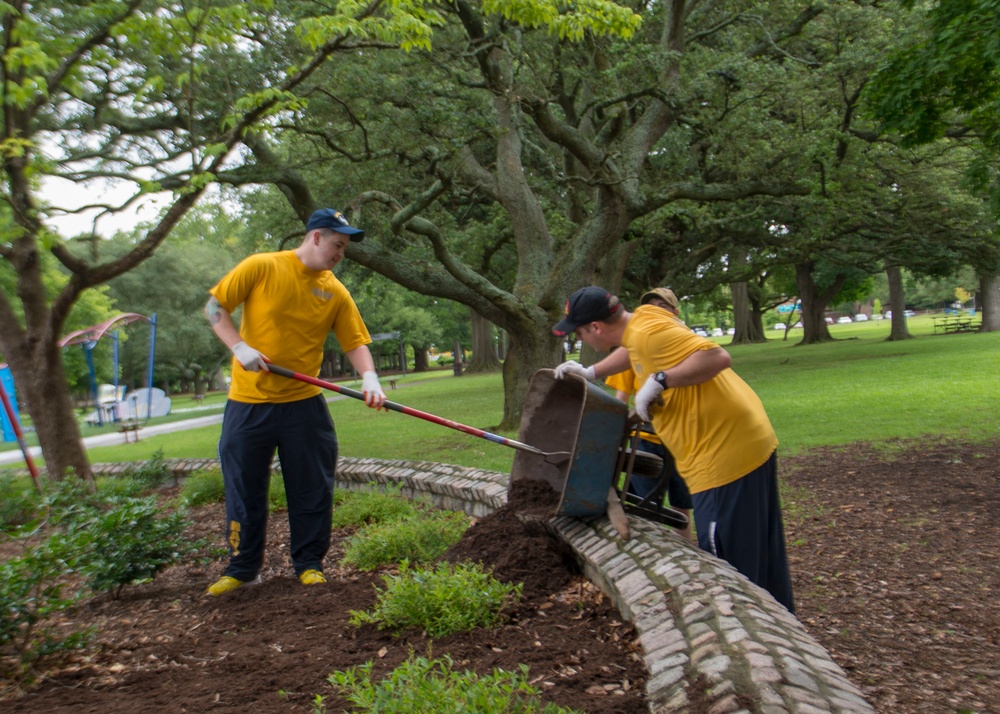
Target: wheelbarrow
point(578, 417)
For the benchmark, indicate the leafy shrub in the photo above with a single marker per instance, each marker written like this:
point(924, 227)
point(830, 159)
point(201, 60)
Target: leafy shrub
point(203, 487)
point(30, 598)
point(153, 472)
point(358, 508)
point(129, 542)
point(111, 488)
point(19, 502)
point(452, 598)
point(423, 685)
point(418, 540)
point(277, 500)
point(71, 500)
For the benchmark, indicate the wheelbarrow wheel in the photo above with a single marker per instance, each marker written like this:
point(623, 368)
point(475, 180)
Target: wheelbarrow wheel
point(646, 464)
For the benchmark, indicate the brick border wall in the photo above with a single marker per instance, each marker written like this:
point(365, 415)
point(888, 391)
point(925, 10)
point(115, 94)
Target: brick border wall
point(698, 620)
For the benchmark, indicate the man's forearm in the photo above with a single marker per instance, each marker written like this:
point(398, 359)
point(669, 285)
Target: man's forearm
point(361, 359)
point(617, 361)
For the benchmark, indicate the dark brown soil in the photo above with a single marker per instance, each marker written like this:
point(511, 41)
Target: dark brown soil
point(894, 559)
point(895, 565)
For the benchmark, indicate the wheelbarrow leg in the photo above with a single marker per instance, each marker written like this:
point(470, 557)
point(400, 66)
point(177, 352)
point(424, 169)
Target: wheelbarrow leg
point(616, 514)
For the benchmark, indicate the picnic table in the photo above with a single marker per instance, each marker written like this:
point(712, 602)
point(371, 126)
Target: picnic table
point(955, 323)
point(129, 425)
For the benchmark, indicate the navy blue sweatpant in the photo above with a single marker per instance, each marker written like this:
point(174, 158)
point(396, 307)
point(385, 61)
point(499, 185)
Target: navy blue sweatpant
point(302, 432)
point(741, 523)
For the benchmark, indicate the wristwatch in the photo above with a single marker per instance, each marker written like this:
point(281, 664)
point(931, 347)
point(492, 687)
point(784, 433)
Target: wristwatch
point(661, 378)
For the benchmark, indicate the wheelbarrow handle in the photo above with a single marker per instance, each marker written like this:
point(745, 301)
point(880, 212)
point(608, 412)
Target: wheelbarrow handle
point(555, 457)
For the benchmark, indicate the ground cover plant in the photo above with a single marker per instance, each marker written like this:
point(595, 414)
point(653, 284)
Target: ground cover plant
point(892, 546)
point(425, 685)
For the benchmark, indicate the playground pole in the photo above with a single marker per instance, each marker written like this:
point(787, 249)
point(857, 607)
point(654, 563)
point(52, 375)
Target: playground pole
point(88, 348)
point(152, 354)
point(114, 342)
point(16, 425)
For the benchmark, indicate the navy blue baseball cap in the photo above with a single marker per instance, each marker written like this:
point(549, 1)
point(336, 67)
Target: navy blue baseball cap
point(334, 221)
point(586, 305)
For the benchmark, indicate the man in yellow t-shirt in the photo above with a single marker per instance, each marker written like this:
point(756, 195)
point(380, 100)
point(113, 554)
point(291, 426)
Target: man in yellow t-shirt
point(643, 487)
point(291, 301)
point(710, 420)
point(624, 384)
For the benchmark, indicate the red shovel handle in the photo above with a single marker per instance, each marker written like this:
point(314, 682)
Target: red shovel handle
point(555, 457)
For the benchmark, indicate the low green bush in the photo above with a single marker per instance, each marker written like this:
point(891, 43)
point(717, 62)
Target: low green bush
point(19, 502)
point(71, 500)
point(129, 542)
point(152, 473)
point(277, 500)
point(450, 598)
point(203, 487)
point(31, 599)
point(358, 508)
point(423, 685)
point(115, 487)
point(418, 540)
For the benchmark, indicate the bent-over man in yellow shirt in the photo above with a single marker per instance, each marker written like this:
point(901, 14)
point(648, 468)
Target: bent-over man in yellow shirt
point(710, 420)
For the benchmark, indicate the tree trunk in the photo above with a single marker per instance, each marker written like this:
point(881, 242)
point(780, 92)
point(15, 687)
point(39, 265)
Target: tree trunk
point(989, 301)
point(420, 361)
point(527, 353)
point(897, 303)
point(484, 352)
point(456, 352)
point(749, 329)
point(814, 302)
point(36, 364)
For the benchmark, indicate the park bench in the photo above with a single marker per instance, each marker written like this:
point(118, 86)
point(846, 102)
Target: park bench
point(955, 323)
point(129, 425)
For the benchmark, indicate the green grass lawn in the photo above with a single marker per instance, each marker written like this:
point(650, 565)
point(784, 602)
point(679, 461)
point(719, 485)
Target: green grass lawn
point(859, 388)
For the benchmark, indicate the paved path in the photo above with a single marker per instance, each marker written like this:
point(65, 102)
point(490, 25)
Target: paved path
point(15, 456)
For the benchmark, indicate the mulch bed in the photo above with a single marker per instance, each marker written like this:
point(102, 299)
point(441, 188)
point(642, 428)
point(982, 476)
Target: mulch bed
point(894, 560)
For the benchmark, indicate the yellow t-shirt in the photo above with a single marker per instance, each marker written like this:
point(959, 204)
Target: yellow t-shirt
point(288, 310)
point(625, 382)
point(717, 431)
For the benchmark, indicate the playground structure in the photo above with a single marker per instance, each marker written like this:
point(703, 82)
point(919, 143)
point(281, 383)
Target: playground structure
point(110, 404)
point(11, 422)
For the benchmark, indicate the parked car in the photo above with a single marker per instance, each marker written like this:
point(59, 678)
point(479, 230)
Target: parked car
point(700, 332)
point(716, 332)
point(861, 317)
point(909, 313)
point(779, 326)
point(829, 320)
point(844, 320)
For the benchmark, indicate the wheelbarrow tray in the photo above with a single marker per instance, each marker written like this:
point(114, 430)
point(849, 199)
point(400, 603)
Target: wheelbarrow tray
point(572, 415)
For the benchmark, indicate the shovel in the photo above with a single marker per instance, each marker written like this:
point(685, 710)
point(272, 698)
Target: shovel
point(552, 457)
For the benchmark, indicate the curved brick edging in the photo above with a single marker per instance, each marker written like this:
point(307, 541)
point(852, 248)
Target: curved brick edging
point(698, 620)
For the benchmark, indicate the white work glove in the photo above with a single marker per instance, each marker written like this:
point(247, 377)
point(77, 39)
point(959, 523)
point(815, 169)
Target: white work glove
point(251, 359)
point(572, 367)
point(647, 396)
point(374, 396)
